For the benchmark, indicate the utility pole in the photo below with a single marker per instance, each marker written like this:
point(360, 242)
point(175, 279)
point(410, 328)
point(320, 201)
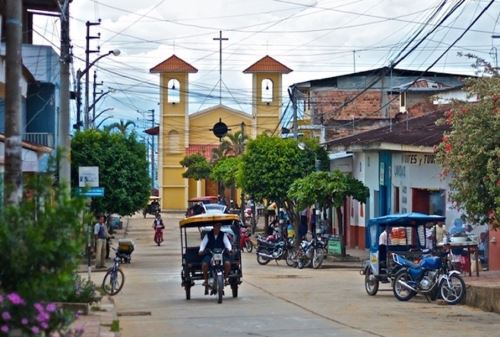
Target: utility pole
point(13, 74)
point(293, 98)
point(87, 65)
point(354, 60)
point(94, 93)
point(64, 115)
point(152, 151)
point(242, 201)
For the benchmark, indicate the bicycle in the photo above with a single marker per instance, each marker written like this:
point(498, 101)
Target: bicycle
point(114, 279)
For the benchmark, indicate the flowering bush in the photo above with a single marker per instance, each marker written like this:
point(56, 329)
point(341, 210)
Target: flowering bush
point(85, 291)
point(34, 319)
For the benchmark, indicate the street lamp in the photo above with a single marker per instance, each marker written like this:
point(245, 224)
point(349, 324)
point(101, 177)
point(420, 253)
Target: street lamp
point(100, 123)
point(99, 115)
point(79, 75)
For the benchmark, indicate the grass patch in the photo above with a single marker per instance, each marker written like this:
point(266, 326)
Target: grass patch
point(115, 326)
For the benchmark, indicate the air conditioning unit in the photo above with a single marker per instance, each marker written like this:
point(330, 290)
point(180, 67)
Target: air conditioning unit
point(402, 102)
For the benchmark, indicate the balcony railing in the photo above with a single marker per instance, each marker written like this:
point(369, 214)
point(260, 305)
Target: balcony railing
point(40, 138)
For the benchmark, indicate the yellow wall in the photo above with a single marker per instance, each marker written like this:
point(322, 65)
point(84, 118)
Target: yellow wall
point(267, 113)
point(195, 129)
point(173, 117)
point(201, 123)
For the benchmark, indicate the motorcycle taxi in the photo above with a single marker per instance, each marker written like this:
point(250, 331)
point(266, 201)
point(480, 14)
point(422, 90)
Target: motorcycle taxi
point(192, 231)
point(406, 236)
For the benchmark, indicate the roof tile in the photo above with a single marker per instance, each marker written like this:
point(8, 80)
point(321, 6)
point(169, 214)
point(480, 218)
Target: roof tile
point(267, 65)
point(173, 65)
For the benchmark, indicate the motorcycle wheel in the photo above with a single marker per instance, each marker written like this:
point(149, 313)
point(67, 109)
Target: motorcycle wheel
point(317, 259)
point(291, 260)
point(262, 260)
point(249, 246)
point(188, 292)
point(220, 288)
point(234, 288)
point(453, 290)
point(401, 292)
point(371, 282)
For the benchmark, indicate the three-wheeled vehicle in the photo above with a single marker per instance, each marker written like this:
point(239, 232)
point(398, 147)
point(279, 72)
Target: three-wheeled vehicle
point(407, 235)
point(192, 230)
point(152, 207)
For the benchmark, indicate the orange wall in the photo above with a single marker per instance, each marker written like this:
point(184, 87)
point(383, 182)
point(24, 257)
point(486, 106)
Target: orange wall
point(494, 250)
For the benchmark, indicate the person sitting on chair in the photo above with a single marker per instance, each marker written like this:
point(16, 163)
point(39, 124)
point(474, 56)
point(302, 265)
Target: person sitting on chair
point(212, 240)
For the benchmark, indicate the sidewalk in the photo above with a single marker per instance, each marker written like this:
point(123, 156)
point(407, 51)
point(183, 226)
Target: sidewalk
point(102, 319)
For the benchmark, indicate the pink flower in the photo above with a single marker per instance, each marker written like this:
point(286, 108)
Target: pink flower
point(24, 321)
point(42, 317)
point(39, 307)
point(44, 325)
point(15, 298)
point(35, 329)
point(4, 328)
point(6, 315)
point(51, 307)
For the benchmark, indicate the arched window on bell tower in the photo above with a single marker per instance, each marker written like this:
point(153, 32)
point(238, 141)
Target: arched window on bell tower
point(173, 88)
point(267, 90)
point(174, 141)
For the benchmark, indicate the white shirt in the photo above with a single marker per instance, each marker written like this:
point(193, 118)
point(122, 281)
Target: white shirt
point(96, 229)
point(382, 239)
point(225, 239)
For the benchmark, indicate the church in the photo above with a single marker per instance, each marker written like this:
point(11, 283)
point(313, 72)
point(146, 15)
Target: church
point(181, 134)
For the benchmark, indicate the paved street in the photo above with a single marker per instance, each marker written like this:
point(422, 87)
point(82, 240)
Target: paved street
point(274, 300)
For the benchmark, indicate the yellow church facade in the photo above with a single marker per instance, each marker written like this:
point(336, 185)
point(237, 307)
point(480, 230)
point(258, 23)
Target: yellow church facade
point(181, 133)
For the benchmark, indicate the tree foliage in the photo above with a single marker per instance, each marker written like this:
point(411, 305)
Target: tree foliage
point(122, 126)
point(271, 164)
point(226, 171)
point(123, 169)
point(327, 189)
point(470, 152)
point(41, 241)
point(197, 167)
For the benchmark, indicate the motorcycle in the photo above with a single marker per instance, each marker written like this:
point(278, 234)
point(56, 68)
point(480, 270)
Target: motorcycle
point(215, 285)
point(158, 238)
point(245, 242)
point(270, 250)
point(430, 276)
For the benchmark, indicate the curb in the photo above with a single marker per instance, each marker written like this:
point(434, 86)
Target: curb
point(484, 298)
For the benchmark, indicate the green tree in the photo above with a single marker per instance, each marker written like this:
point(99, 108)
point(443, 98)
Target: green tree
point(470, 151)
point(269, 167)
point(234, 143)
point(123, 169)
point(121, 126)
point(197, 167)
point(226, 171)
point(41, 240)
point(328, 189)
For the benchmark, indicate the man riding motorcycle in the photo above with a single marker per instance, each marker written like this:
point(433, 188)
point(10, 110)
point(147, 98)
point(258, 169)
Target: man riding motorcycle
point(212, 240)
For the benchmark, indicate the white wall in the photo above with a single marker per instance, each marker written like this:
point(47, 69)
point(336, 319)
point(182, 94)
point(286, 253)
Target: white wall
point(419, 170)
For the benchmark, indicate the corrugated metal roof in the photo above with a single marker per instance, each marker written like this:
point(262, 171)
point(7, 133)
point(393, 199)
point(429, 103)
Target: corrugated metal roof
point(418, 131)
point(173, 65)
point(267, 65)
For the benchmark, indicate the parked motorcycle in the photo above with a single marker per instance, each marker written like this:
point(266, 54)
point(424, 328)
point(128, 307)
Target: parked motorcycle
point(430, 277)
point(245, 242)
point(270, 250)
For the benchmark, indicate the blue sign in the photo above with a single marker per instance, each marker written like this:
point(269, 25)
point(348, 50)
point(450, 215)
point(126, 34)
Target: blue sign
point(91, 192)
